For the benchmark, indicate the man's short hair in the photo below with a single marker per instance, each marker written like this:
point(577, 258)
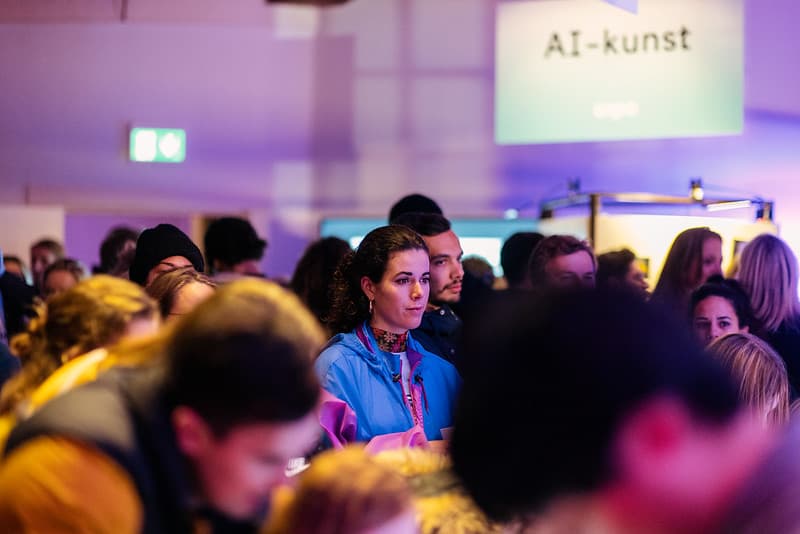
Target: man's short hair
point(113, 246)
point(515, 254)
point(232, 240)
point(425, 224)
point(566, 370)
point(614, 265)
point(56, 248)
point(245, 355)
point(552, 247)
point(413, 203)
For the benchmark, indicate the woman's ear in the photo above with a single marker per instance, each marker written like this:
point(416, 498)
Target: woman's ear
point(368, 287)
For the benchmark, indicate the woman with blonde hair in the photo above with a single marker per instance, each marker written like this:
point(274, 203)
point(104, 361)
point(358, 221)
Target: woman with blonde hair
point(346, 492)
point(443, 505)
point(768, 274)
point(178, 291)
point(759, 372)
point(94, 313)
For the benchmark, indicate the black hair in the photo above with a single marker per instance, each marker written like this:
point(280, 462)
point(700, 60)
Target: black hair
point(313, 275)
point(349, 304)
point(113, 247)
point(232, 240)
point(413, 203)
point(730, 290)
point(245, 355)
point(425, 224)
point(514, 256)
point(547, 407)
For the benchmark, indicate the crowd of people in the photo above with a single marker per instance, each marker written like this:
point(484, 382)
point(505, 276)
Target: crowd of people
point(395, 389)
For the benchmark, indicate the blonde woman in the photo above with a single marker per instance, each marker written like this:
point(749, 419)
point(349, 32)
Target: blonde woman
point(94, 313)
point(346, 492)
point(759, 373)
point(768, 274)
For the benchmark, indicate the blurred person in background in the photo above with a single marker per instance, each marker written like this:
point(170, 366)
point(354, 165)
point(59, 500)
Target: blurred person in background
point(620, 269)
point(346, 492)
point(43, 253)
point(179, 291)
point(768, 274)
point(313, 275)
point(644, 432)
point(96, 312)
point(9, 364)
point(61, 275)
point(160, 249)
point(16, 298)
point(694, 256)
point(480, 268)
point(561, 262)
point(443, 505)
point(117, 251)
point(14, 265)
point(759, 373)
point(413, 203)
point(233, 249)
point(194, 444)
point(514, 258)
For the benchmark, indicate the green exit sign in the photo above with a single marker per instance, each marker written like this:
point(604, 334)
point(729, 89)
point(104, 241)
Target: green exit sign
point(161, 145)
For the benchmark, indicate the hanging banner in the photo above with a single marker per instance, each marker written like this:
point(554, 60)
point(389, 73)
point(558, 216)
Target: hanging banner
point(582, 70)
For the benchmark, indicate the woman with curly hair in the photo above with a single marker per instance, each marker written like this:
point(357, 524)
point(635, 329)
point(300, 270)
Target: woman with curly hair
point(94, 313)
point(373, 364)
point(314, 272)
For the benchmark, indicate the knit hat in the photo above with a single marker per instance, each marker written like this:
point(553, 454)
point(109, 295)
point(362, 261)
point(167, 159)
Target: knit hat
point(232, 240)
point(156, 244)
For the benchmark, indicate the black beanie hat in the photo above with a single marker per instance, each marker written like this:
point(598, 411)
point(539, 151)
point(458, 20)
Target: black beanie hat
point(161, 242)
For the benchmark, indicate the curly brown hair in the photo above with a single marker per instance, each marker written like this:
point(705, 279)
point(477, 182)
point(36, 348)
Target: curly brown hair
point(93, 313)
point(349, 304)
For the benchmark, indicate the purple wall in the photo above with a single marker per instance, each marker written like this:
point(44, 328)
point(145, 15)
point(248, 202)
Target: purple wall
point(85, 232)
point(294, 129)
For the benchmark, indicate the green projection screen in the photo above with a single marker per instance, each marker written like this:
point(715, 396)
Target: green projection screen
point(584, 70)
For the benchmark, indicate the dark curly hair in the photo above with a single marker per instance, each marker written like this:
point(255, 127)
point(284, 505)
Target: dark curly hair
point(349, 304)
point(730, 290)
point(314, 272)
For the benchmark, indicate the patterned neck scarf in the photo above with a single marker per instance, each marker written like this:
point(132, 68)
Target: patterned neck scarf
point(390, 342)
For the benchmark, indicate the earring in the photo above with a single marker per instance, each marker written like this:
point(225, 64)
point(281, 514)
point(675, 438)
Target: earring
point(370, 306)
